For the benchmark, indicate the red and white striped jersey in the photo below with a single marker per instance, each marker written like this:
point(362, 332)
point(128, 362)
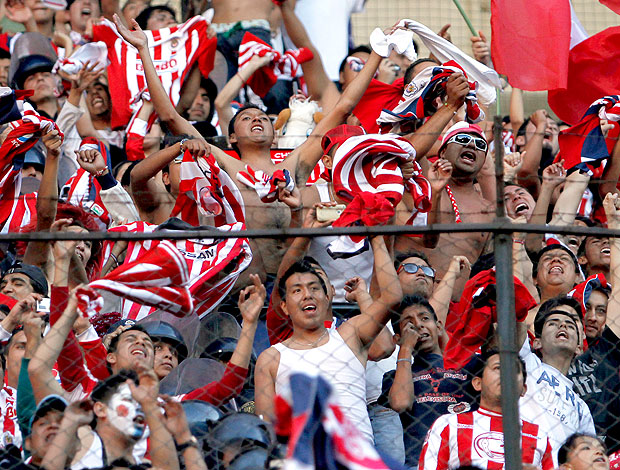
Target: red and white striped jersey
point(476, 438)
point(11, 433)
point(174, 52)
point(21, 213)
point(207, 259)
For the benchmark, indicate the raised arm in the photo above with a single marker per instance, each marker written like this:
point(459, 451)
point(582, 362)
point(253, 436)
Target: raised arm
point(163, 106)
point(401, 394)
point(320, 87)
point(528, 175)
point(374, 317)
point(424, 138)
point(567, 204)
point(612, 211)
point(163, 454)
point(37, 253)
point(231, 90)
point(305, 157)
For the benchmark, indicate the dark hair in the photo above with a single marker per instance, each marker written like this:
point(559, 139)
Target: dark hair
point(555, 246)
point(399, 258)
point(409, 75)
point(582, 248)
point(114, 342)
point(126, 178)
point(410, 301)
point(299, 267)
point(550, 307)
point(483, 359)
point(570, 444)
point(355, 50)
point(106, 388)
point(143, 18)
point(231, 124)
point(81, 218)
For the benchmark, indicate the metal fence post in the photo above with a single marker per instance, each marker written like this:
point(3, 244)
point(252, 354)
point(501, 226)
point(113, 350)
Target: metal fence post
point(507, 328)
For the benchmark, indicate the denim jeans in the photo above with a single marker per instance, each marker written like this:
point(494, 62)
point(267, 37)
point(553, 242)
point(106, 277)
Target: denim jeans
point(388, 431)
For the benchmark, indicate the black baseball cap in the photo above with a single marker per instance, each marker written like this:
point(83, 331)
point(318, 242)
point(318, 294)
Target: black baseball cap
point(34, 273)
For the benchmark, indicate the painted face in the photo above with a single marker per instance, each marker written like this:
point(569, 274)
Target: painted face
point(588, 454)
point(125, 413)
point(352, 67)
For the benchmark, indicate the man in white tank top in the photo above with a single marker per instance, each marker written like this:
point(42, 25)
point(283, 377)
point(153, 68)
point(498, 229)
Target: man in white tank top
point(339, 355)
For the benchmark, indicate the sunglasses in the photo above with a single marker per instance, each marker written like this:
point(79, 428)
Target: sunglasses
point(412, 268)
point(465, 139)
point(355, 64)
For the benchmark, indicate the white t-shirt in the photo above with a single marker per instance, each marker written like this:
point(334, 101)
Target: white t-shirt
point(551, 402)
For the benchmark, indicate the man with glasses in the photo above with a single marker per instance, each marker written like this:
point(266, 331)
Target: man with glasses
point(465, 147)
point(550, 400)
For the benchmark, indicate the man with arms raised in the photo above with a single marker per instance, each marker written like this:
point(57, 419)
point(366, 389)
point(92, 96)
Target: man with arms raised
point(251, 135)
point(465, 147)
point(340, 354)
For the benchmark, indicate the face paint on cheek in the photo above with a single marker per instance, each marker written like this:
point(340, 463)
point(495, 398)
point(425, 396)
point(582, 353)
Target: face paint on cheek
point(125, 414)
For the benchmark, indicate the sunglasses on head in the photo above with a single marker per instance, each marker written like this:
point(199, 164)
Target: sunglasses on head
point(412, 268)
point(465, 139)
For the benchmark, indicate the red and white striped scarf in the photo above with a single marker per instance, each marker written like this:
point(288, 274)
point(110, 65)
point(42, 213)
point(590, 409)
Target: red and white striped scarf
point(11, 433)
point(214, 263)
point(266, 186)
point(421, 91)
point(24, 134)
point(208, 191)
point(82, 189)
point(283, 66)
point(157, 278)
point(174, 52)
point(370, 164)
point(21, 213)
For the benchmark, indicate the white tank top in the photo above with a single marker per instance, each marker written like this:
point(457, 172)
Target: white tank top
point(339, 270)
point(337, 364)
point(94, 457)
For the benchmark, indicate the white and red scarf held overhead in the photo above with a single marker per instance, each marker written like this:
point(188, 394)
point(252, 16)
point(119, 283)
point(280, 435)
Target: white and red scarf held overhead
point(174, 52)
point(283, 66)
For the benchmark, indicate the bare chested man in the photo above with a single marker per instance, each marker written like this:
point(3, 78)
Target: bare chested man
point(465, 147)
point(252, 135)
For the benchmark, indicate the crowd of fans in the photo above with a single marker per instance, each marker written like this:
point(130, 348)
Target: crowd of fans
point(221, 351)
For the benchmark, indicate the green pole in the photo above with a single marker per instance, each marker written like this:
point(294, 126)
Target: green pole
point(498, 108)
point(465, 17)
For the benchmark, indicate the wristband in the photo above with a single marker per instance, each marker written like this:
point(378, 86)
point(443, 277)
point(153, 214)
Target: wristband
point(192, 442)
point(183, 149)
point(407, 360)
point(106, 181)
point(520, 242)
point(101, 172)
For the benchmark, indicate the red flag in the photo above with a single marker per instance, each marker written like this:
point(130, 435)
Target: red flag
point(612, 5)
point(531, 41)
point(592, 73)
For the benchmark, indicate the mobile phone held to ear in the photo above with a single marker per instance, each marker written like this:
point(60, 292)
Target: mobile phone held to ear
point(329, 214)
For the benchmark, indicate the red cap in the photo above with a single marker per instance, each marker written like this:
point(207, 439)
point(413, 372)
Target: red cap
point(462, 127)
point(338, 135)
